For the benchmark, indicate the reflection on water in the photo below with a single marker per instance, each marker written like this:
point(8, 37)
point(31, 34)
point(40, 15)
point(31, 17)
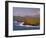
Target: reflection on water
point(20, 26)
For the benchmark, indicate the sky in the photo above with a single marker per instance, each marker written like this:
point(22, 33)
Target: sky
point(21, 11)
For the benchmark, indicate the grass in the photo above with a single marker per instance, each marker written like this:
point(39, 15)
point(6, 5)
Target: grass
point(27, 21)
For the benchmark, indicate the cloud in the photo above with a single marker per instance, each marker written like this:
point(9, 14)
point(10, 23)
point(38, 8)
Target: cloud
point(19, 11)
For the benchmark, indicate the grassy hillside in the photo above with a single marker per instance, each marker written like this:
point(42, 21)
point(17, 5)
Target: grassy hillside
point(31, 21)
point(27, 20)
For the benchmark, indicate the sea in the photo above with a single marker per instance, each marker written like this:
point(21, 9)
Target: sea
point(20, 26)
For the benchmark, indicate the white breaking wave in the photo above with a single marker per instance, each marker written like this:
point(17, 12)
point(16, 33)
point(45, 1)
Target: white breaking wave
point(21, 24)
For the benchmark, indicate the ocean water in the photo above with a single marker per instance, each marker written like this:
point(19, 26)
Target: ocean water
point(20, 26)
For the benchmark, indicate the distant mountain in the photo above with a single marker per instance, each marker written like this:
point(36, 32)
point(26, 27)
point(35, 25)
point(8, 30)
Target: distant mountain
point(18, 18)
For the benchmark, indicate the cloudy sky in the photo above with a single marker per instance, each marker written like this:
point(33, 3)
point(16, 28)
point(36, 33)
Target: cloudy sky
point(19, 11)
